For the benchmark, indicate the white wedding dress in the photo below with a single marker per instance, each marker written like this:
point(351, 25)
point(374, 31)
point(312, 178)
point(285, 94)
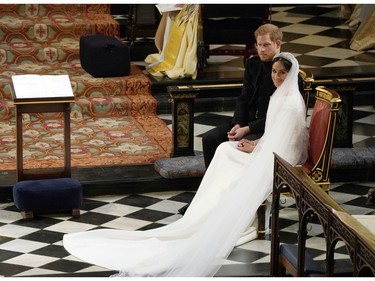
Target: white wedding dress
point(234, 185)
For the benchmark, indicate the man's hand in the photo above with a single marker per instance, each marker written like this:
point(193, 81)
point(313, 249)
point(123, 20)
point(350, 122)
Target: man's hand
point(237, 132)
point(232, 133)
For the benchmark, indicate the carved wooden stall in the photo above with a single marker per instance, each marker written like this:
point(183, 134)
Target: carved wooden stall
point(337, 224)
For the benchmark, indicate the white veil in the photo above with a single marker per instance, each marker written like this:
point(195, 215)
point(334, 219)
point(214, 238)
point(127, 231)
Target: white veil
point(286, 117)
point(234, 186)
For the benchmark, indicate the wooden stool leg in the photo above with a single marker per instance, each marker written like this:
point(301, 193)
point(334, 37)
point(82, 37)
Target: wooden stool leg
point(282, 270)
point(27, 214)
point(76, 213)
point(262, 220)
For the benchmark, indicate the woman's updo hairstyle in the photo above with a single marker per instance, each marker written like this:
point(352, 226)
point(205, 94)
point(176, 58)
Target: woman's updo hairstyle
point(287, 64)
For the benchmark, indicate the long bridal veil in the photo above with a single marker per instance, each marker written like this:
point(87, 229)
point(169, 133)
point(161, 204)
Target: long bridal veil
point(234, 185)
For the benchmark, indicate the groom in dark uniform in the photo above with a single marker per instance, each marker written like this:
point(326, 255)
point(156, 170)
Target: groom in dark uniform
point(249, 117)
point(251, 107)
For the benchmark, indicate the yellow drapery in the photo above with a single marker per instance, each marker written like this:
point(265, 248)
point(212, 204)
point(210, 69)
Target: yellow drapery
point(179, 56)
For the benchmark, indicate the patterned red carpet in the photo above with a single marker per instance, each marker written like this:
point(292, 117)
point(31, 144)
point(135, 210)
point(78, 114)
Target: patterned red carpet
point(96, 141)
point(113, 120)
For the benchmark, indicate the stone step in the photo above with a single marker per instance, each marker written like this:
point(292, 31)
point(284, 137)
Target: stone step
point(115, 95)
point(7, 109)
point(95, 141)
point(97, 107)
point(50, 33)
point(44, 39)
point(19, 52)
point(55, 27)
point(114, 107)
point(42, 10)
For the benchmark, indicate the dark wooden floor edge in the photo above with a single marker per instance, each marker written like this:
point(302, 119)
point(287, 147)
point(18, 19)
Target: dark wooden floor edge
point(153, 182)
point(112, 180)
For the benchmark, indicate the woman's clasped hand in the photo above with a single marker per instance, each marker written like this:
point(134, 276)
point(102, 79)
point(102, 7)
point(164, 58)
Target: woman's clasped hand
point(246, 145)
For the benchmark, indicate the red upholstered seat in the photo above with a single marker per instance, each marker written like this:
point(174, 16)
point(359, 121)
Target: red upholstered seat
point(321, 134)
point(318, 133)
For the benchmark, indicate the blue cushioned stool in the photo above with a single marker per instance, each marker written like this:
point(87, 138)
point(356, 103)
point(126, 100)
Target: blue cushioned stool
point(48, 195)
point(289, 255)
point(104, 56)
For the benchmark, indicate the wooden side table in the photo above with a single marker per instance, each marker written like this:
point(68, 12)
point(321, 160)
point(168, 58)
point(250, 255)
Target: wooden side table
point(42, 105)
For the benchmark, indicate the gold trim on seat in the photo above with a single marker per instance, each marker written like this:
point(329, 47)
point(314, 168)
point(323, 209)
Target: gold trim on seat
point(308, 79)
point(319, 171)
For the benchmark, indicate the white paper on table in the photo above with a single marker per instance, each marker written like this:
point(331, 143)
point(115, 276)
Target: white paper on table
point(42, 86)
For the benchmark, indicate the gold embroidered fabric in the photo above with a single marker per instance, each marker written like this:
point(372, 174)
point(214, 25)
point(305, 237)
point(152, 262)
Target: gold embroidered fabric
point(178, 58)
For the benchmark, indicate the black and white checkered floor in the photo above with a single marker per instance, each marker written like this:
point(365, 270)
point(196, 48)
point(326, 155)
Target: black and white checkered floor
point(34, 247)
point(316, 34)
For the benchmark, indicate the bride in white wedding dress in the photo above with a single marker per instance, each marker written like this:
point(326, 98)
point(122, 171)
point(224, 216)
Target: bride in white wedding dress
point(232, 189)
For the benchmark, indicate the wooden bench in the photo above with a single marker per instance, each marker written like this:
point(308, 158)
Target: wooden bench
point(352, 164)
point(337, 225)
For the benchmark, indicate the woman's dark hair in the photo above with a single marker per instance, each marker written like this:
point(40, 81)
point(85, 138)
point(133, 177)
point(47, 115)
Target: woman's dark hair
point(287, 64)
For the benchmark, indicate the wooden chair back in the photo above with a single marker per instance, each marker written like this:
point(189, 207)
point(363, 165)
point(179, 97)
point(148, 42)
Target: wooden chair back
point(308, 79)
point(321, 135)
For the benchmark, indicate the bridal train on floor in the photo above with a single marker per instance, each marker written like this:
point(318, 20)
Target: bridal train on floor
point(233, 187)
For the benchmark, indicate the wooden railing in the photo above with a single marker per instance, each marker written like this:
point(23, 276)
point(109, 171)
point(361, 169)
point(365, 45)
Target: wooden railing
point(337, 224)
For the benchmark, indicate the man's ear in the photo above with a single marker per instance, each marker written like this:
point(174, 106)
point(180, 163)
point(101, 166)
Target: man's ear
point(278, 43)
